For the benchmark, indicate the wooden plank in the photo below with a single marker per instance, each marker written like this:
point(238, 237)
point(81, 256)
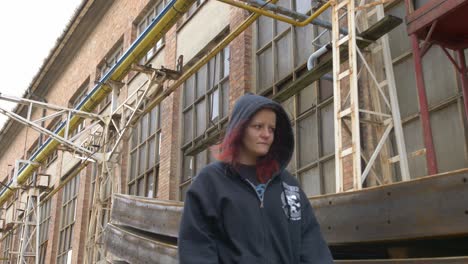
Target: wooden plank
point(134, 247)
point(434, 206)
point(451, 260)
point(428, 207)
point(150, 215)
point(325, 65)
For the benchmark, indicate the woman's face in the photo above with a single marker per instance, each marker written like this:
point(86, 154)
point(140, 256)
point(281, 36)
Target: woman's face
point(258, 136)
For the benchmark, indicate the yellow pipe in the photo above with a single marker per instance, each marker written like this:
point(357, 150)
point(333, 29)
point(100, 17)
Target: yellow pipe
point(179, 8)
point(232, 35)
point(169, 19)
point(278, 17)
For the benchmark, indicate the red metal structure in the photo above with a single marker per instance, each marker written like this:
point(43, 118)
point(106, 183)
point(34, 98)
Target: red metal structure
point(443, 23)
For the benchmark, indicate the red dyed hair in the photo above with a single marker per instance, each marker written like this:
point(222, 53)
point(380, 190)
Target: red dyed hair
point(228, 151)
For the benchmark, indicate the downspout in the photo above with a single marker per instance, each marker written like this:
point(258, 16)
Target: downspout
point(155, 31)
point(313, 60)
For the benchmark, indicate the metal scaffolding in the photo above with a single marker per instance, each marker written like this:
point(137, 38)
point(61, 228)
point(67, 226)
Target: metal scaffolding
point(350, 113)
point(99, 141)
point(440, 23)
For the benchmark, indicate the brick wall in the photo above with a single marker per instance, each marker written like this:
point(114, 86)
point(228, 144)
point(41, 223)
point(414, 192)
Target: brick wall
point(170, 127)
point(241, 58)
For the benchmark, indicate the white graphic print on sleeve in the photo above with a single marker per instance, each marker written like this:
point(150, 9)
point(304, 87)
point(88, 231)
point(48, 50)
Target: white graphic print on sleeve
point(291, 201)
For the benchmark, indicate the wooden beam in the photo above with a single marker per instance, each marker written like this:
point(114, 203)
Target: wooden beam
point(134, 247)
point(429, 207)
point(149, 215)
point(432, 206)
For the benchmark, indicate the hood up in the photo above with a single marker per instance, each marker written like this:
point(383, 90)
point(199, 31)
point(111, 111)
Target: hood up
point(247, 106)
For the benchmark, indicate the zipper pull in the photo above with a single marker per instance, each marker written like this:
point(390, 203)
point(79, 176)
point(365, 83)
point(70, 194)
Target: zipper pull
point(261, 204)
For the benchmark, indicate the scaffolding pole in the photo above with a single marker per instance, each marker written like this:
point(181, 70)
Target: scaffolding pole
point(352, 111)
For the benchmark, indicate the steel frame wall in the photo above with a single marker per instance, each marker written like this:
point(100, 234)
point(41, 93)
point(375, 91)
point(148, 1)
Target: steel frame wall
point(418, 53)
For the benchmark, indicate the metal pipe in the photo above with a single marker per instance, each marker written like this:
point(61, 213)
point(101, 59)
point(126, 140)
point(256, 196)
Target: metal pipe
point(423, 108)
point(464, 79)
point(314, 56)
point(155, 31)
point(313, 59)
point(278, 17)
point(276, 9)
point(291, 13)
point(200, 63)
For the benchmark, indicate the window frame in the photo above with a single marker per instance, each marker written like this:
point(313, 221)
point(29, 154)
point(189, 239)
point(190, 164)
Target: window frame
point(6, 247)
point(279, 30)
point(309, 115)
point(69, 205)
point(143, 24)
point(109, 61)
point(80, 94)
point(44, 230)
point(142, 140)
point(193, 147)
point(52, 127)
point(191, 13)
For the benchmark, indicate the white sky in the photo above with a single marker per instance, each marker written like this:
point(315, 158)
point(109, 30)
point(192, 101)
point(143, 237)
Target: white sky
point(29, 30)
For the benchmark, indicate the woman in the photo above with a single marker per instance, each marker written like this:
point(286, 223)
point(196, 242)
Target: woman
point(246, 208)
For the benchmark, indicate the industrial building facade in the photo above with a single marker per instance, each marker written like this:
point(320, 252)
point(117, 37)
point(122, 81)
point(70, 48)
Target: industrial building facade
point(162, 152)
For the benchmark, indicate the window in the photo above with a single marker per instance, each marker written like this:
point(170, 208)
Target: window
point(145, 22)
point(32, 150)
point(104, 67)
point(205, 110)
point(104, 217)
point(53, 156)
point(145, 150)
point(74, 102)
point(67, 220)
point(6, 246)
point(311, 113)
point(193, 9)
point(44, 230)
point(282, 51)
